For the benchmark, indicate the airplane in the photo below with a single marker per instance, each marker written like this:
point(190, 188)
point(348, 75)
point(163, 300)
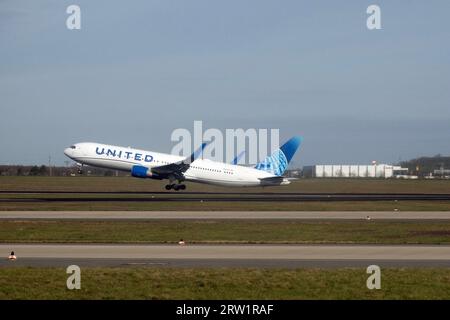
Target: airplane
point(177, 169)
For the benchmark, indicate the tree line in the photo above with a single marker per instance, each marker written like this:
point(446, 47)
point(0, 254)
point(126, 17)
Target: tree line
point(43, 170)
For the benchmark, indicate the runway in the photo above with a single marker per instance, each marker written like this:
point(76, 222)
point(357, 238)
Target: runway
point(228, 255)
point(225, 215)
point(67, 197)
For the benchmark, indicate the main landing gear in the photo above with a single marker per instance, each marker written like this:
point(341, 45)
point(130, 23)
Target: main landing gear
point(175, 187)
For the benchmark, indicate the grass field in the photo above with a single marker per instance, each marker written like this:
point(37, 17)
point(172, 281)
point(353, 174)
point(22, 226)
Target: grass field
point(129, 184)
point(213, 231)
point(223, 283)
point(139, 195)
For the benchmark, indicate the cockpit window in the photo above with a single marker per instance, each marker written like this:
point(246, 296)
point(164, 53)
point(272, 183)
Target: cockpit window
point(72, 147)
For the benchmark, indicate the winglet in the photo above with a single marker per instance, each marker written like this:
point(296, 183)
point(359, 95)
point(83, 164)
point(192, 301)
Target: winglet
point(238, 157)
point(198, 152)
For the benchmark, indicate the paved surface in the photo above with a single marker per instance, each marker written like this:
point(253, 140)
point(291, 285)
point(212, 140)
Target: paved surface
point(386, 252)
point(211, 196)
point(223, 263)
point(223, 215)
point(229, 255)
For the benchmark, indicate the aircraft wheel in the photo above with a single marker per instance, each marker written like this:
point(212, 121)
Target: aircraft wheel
point(176, 187)
point(169, 186)
point(182, 186)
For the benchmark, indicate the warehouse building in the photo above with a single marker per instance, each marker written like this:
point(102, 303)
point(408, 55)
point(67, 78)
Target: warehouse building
point(354, 171)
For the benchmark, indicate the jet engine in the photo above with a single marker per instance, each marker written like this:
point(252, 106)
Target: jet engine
point(141, 172)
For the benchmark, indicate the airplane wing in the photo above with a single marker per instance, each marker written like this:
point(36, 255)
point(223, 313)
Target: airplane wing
point(177, 169)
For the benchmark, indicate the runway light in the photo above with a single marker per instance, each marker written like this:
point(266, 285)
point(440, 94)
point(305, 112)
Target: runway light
point(368, 218)
point(181, 242)
point(12, 256)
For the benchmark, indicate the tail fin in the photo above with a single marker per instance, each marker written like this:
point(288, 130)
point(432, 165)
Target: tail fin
point(278, 162)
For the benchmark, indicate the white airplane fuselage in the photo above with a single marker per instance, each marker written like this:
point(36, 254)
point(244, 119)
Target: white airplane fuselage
point(200, 170)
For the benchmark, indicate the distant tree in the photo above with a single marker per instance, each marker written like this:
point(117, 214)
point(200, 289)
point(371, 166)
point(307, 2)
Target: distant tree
point(423, 166)
point(19, 171)
point(34, 171)
point(42, 170)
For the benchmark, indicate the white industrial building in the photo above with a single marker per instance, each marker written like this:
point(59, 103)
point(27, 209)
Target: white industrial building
point(354, 171)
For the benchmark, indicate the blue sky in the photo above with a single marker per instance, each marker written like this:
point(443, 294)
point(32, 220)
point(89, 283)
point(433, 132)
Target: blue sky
point(138, 70)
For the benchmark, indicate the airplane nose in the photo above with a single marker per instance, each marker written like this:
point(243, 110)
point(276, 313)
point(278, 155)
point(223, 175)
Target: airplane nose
point(67, 152)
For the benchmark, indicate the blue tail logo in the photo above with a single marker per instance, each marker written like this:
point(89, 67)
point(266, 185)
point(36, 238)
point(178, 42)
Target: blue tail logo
point(278, 162)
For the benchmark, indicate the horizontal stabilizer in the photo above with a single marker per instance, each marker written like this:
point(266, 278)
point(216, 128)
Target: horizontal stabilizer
point(274, 181)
